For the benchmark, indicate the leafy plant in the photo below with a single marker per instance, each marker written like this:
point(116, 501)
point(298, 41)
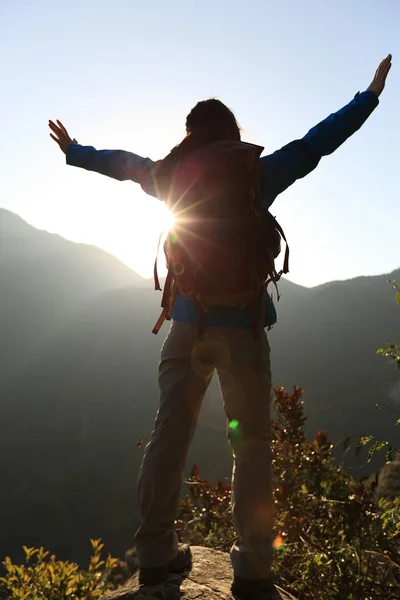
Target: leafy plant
point(333, 538)
point(44, 577)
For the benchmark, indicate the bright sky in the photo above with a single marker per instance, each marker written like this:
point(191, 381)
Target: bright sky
point(124, 74)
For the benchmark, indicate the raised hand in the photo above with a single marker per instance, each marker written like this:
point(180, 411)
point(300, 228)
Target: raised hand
point(378, 82)
point(61, 135)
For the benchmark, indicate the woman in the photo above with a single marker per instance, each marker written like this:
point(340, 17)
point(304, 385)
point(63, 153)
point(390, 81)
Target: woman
point(189, 361)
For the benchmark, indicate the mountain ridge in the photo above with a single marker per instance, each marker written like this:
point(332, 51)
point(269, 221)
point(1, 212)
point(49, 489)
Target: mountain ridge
point(15, 218)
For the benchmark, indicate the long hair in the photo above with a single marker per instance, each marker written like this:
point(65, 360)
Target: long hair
point(209, 121)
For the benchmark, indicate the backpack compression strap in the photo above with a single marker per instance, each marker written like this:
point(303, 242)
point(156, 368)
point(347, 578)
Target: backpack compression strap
point(167, 302)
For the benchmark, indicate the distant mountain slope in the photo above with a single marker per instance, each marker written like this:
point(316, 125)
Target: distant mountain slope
point(43, 278)
point(78, 384)
point(327, 344)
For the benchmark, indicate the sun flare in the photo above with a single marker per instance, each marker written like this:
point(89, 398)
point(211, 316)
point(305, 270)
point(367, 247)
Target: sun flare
point(133, 235)
point(167, 218)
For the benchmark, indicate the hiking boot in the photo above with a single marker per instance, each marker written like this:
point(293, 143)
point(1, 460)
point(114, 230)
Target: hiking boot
point(254, 589)
point(182, 561)
point(178, 565)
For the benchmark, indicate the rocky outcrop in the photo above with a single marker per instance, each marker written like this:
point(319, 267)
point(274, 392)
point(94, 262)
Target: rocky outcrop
point(209, 579)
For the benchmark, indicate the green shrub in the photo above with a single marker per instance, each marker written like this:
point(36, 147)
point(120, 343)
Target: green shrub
point(44, 577)
point(333, 538)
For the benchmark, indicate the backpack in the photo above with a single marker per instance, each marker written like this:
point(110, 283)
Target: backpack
point(222, 246)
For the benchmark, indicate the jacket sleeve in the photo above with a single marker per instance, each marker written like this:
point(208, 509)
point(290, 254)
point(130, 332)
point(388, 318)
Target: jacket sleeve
point(300, 157)
point(117, 164)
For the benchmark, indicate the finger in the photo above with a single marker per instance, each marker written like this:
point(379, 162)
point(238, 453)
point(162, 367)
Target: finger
point(55, 129)
point(55, 139)
point(387, 59)
point(379, 69)
point(62, 128)
point(385, 62)
point(381, 66)
point(52, 125)
point(384, 72)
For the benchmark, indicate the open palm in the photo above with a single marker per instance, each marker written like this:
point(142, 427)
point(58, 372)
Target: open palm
point(61, 135)
point(379, 80)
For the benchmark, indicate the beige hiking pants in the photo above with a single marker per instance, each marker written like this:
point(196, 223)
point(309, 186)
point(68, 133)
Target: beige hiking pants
point(186, 368)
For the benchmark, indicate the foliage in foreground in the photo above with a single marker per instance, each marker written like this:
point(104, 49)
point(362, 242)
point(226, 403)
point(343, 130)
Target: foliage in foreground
point(45, 577)
point(333, 537)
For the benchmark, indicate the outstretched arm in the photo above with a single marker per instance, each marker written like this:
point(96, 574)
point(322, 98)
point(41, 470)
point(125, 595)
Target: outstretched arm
point(117, 164)
point(295, 160)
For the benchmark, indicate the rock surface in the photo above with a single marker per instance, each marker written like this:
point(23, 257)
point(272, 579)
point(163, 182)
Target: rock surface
point(210, 578)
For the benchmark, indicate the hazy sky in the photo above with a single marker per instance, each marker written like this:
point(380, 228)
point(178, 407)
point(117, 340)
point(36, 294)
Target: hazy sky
point(124, 74)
